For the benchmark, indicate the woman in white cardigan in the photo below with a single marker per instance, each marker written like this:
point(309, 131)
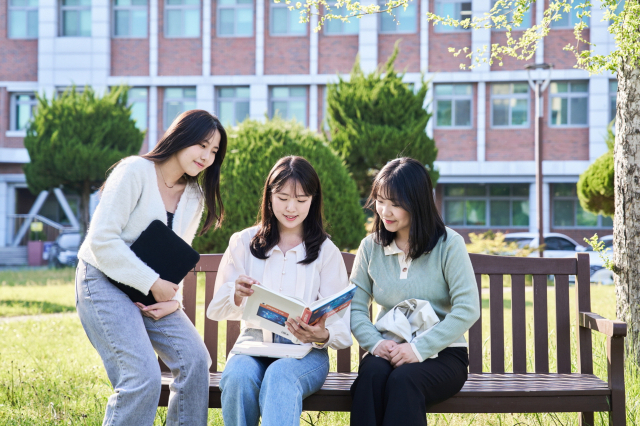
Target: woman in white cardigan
point(288, 252)
point(172, 183)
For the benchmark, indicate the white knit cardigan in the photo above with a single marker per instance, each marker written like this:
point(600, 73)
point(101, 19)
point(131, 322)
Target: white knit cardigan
point(130, 201)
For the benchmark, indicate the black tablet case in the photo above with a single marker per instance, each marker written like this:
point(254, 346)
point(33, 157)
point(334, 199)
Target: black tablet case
point(164, 252)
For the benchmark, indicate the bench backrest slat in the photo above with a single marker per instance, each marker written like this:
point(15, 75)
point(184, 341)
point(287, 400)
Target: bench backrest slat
point(496, 306)
point(518, 323)
point(540, 323)
point(475, 338)
point(211, 327)
point(583, 304)
point(563, 325)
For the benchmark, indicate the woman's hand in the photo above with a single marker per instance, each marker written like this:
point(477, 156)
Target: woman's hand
point(158, 310)
point(384, 349)
point(309, 333)
point(403, 354)
point(243, 288)
point(163, 290)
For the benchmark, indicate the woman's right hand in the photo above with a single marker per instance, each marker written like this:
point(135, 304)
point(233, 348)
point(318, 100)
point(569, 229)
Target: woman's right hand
point(243, 288)
point(384, 349)
point(163, 290)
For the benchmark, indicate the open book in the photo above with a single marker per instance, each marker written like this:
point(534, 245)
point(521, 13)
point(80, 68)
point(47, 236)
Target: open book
point(271, 310)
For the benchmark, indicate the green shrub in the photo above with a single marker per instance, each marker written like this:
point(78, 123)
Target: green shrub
point(253, 149)
point(595, 186)
point(376, 117)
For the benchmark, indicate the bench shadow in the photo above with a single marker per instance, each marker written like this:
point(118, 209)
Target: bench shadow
point(42, 307)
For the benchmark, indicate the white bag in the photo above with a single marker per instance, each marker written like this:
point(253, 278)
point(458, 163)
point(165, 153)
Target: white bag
point(407, 321)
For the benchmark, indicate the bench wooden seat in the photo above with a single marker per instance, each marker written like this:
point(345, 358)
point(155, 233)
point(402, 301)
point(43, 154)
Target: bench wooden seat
point(496, 391)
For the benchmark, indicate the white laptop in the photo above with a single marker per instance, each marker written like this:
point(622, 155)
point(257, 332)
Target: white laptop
point(271, 350)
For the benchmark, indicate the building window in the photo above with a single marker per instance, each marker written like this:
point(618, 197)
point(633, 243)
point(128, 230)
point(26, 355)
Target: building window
point(182, 18)
point(458, 10)
point(75, 18)
point(479, 205)
point(510, 105)
point(285, 21)
point(570, 19)
point(338, 27)
point(176, 101)
point(569, 103)
point(453, 105)
point(235, 18)
point(233, 105)
point(568, 213)
point(290, 103)
point(23, 18)
point(23, 107)
point(130, 18)
point(613, 94)
point(137, 99)
point(400, 20)
point(508, 13)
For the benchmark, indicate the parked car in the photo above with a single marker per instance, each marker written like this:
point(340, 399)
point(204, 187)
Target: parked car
point(556, 245)
point(599, 274)
point(64, 250)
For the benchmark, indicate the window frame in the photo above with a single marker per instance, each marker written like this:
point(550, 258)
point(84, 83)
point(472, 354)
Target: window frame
point(13, 104)
point(453, 98)
point(62, 9)
point(613, 96)
point(332, 4)
point(235, 7)
point(413, 5)
point(166, 122)
point(511, 95)
point(282, 5)
point(555, 25)
point(487, 198)
point(235, 99)
point(445, 29)
point(27, 9)
point(576, 202)
point(115, 8)
point(182, 7)
point(288, 99)
point(568, 95)
point(131, 100)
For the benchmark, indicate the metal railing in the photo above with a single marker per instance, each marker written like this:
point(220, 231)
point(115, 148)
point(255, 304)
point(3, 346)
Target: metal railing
point(50, 228)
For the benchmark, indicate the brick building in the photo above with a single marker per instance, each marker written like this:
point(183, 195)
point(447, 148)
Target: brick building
point(250, 57)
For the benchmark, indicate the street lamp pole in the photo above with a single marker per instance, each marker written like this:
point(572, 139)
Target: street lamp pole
point(539, 86)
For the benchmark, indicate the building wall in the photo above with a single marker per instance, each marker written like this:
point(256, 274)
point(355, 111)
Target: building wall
point(459, 144)
point(178, 56)
point(508, 63)
point(285, 54)
point(336, 54)
point(231, 55)
point(129, 56)
point(18, 58)
point(440, 59)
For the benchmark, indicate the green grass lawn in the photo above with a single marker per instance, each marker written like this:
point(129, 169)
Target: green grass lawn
point(51, 375)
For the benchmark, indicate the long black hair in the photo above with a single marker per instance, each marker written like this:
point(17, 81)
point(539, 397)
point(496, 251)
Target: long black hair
point(405, 182)
point(300, 172)
point(188, 129)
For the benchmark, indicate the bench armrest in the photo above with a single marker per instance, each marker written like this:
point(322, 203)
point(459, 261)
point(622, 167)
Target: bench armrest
point(611, 328)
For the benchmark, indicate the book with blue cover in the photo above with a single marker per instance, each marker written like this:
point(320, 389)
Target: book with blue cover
point(271, 310)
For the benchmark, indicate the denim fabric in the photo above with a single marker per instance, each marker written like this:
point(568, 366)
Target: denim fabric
point(273, 388)
point(127, 342)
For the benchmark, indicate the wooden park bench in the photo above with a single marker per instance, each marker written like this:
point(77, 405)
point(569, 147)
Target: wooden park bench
point(494, 391)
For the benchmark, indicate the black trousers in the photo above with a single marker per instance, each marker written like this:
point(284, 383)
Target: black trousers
point(387, 396)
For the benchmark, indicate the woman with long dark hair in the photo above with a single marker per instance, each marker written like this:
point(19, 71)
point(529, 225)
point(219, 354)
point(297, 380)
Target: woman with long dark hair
point(288, 251)
point(173, 183)
point(410, 255)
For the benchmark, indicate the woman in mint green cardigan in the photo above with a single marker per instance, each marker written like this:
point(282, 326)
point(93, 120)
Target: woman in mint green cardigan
point(410, 255)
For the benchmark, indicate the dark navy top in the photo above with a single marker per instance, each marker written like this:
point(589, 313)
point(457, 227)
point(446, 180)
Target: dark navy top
point(170, 220)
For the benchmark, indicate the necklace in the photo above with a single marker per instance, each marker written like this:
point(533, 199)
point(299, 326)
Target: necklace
point(165, 182)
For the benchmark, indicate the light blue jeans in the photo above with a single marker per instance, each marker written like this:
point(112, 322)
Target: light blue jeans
point(273, 388)
point(126, 341)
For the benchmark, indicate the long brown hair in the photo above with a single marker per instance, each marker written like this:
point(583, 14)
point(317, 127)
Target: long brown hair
point(300, 172)
point(188, 129)
point(405, 181)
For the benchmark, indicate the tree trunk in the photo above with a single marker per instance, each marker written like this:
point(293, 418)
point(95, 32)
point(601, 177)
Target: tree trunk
point(626, 225)
point(84, 208)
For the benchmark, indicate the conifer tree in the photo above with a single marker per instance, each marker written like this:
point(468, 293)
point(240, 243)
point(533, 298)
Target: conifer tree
point(595, 186)
point(374, 118)
point(74, 138)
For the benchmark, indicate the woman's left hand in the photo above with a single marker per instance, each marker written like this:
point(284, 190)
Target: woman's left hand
point(403, 354)
point(309, 333)
point(159, 310)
